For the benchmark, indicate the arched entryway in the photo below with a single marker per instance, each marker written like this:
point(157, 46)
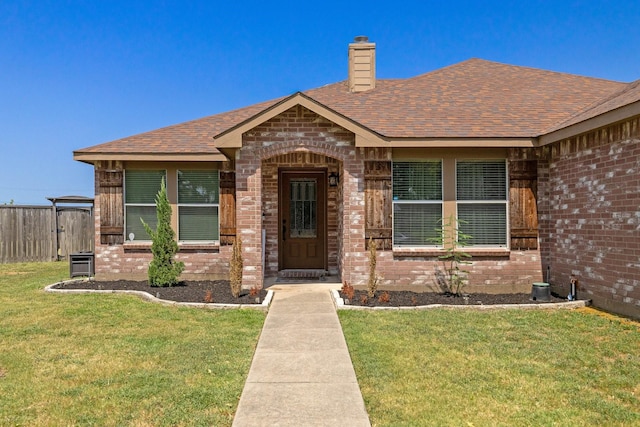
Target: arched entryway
point(301, 213)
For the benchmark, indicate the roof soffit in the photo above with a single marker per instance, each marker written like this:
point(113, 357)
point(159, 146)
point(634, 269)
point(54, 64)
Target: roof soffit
point(91, 158)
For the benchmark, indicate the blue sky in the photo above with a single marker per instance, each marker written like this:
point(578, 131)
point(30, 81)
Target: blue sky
point(79, 73)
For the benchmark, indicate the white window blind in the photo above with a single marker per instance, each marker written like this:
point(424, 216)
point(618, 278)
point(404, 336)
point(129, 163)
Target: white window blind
point(417, 180)
point(141, 189)
point(417, 202)
point(481, 180)
point(482, 197)
point(198, 205)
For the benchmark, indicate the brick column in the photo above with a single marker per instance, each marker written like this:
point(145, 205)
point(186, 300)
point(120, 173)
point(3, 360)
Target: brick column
point(249, 215)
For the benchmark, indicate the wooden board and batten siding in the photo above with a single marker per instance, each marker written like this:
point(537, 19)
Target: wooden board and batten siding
point(378, 203)
point(227, 208)
point(523, 194)
point(110, 186)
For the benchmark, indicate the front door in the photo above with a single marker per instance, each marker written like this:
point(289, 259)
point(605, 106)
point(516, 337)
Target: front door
point(302, 218)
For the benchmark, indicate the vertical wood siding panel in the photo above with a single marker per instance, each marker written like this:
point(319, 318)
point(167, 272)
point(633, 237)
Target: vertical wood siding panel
point(110, 187)
point(227, 208)
point(523, 204)
point(378, 203)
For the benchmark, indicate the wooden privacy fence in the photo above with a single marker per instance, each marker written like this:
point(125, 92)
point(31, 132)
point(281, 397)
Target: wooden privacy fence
point(44, 233)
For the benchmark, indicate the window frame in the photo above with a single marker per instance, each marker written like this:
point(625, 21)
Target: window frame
point(421, 202)
point(180, 205)
point(127, 204)
point(491, 201)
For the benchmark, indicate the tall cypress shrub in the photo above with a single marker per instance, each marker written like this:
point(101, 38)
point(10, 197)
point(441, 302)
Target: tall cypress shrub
point(163, 269)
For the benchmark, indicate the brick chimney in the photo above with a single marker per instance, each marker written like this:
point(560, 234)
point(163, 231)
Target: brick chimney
point(362, 64)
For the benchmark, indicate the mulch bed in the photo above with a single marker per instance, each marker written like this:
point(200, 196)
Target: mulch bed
point(408, 299)
point(187, 291)
point(220, 292)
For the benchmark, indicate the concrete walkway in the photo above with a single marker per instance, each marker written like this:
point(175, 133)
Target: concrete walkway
point(301, 374)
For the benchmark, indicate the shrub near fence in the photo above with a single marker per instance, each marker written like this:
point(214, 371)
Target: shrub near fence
point(28, 233)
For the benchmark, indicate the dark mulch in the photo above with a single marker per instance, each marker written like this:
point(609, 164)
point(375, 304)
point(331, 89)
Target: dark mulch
point(408, 298)
point(220, 291)
point(187, 291)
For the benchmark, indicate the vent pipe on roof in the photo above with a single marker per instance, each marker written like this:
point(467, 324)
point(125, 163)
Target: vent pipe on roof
point(362, 64)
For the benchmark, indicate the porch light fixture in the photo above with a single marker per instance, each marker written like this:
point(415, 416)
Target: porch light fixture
point(333, 179)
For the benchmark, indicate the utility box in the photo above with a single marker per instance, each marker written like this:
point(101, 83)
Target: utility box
point(541, 292)
point(81, 264)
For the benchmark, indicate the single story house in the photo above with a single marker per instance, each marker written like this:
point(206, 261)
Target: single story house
point(543, 167)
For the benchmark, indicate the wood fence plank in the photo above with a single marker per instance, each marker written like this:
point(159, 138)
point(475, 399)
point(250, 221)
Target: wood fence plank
point(27, 233)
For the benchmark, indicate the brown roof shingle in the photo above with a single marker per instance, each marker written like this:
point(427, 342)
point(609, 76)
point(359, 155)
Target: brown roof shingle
point(474, 98)
point(629, 94)
point(471, 99)
point(195, 136)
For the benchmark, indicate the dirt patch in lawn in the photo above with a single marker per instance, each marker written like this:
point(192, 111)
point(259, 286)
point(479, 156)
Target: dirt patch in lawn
point(215, 291)
point(408, 299)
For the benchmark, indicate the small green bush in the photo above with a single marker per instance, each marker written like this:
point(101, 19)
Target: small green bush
point(163, 269)
point(453, 241)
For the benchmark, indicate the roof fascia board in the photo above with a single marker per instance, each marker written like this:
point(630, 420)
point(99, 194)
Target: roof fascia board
point(165, 157)
point(448, 142)
point(588, 125)
point(232, 138)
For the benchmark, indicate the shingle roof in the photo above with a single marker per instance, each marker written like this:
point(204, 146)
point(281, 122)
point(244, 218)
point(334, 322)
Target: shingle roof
point(627, 95)
point(471, 99)
point(195, 136)
point(474, 98)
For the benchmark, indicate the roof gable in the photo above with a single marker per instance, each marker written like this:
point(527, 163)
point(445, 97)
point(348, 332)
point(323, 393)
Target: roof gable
point(232, 137)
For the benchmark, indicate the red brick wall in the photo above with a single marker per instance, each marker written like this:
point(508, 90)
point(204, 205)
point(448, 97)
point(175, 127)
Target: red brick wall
point(301, 138)
point(511, 273)
point(270, 204)
point(297, 137)
point(132, 261)
point(118, 262)
point(592, 227)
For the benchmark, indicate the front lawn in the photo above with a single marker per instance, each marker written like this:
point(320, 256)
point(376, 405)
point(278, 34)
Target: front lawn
point(115, 360)
point(502, 368)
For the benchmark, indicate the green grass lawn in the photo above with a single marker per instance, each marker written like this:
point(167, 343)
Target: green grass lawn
point(503, 368)
point(114, 360)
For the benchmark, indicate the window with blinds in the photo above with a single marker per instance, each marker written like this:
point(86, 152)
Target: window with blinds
point(141, 189)
point(198, 205)
point(417, 202)
point(482, 197)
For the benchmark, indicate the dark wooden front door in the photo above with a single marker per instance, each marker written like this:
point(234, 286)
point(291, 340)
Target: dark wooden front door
point(302, 235)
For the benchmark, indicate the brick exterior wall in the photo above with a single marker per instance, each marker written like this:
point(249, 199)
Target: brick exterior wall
point(298, 160)
point(299, 138)
point(588, 207)
point(302, 139)
point(118, 262)
point(512, 273)
point(131, 261)
point(591, 221)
